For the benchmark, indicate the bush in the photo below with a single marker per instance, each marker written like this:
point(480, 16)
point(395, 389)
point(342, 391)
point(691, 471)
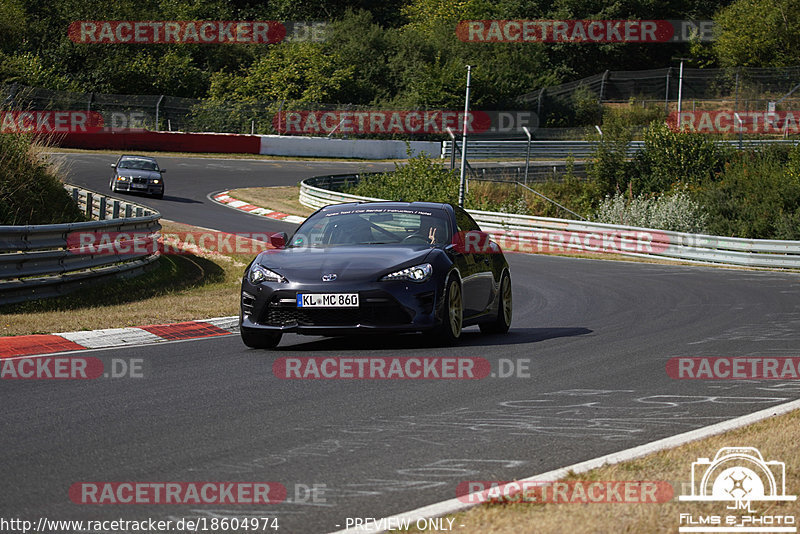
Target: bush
point(30, 190)
point(757, 196)
point(670, 158)
point(421, 179)
point(610, 166)
point(677, 212)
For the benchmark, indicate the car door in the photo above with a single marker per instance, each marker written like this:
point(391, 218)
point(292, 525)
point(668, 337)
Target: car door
point(477, 278)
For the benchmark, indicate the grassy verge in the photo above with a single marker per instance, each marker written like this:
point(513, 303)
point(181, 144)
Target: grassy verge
point(776, 438)
point(281, 198)
point(180, 288)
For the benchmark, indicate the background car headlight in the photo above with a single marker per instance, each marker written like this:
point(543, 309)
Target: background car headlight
point(417, 273)
point(258, 274)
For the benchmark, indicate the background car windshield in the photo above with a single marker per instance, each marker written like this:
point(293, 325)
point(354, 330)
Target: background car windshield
point(374, 226)
point(139, 164)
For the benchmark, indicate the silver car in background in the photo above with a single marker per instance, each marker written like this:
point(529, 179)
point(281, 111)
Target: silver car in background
point(137, 174)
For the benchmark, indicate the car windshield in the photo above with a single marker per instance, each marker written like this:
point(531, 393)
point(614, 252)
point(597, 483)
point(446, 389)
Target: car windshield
point(138, 164)
point(374, 226)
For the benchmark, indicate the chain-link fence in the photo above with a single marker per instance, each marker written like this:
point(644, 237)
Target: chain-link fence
point(169, 113)
point(741, 88)
point(563, 111)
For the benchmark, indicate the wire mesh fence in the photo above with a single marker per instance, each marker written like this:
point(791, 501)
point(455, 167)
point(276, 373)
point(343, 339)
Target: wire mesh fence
point(557, 107)
point(740, 88)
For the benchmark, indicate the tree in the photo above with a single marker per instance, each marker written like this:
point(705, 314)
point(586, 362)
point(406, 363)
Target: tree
point(759, 33)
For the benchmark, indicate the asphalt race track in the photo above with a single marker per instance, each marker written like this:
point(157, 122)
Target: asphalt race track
point(595, 335)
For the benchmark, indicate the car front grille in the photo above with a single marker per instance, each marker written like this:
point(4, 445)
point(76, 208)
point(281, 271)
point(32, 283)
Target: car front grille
point(374, 310)
point(139, 180)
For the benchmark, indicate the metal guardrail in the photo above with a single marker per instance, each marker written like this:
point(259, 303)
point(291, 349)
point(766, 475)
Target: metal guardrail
point(527, 233)
point(517, 148)
point(38, 261)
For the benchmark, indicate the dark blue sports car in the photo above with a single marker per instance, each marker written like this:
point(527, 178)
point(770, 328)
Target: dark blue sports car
point(377, 267)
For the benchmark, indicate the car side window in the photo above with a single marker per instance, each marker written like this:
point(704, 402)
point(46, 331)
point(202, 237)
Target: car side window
point(464, 221)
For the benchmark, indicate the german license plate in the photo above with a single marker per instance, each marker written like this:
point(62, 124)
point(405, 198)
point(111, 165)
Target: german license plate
point(327, 300)
point(139, 186)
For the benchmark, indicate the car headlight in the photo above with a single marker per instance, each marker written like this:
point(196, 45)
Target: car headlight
point(258, 274)
point(156, 181)
point(122, 178)
point(417, 273)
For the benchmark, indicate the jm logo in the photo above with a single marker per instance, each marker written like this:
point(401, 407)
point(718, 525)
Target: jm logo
point(738, 474)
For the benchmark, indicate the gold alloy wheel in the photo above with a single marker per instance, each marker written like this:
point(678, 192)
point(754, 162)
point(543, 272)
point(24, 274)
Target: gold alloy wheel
point(456, 309)
point(507, 303)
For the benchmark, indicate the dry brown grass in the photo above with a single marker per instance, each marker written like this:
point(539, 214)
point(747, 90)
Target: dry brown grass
point(285, 199)
point(777, 438)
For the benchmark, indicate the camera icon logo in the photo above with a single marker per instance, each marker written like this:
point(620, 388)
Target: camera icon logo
point(738, 474)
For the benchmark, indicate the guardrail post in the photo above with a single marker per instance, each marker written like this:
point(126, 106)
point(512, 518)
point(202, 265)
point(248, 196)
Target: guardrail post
point(102, 214)
point(138, 212)
point(128, 211)
point(75, 195)
point(115, 210)
point(89, 200)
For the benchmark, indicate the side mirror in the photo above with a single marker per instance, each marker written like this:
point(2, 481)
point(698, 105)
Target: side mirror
point(113, 165)
point(278, 240)
point(162, 171)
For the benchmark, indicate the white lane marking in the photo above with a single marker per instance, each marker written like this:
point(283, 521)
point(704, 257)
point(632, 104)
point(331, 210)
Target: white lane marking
point(451, 506)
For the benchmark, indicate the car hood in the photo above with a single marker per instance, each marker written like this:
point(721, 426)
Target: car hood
point(138, 173)
point(349, 263)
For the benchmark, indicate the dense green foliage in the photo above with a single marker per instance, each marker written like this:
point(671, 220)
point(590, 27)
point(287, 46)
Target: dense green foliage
point(757, 195)
point(421, 179)
point(396, 53)
point(751, 193)
point(30, 190)
point(670, 158)
point(759, 33)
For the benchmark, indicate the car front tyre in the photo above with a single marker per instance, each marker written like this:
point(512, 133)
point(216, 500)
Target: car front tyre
point(258, 339)
point(449, 332)
point(502, 321)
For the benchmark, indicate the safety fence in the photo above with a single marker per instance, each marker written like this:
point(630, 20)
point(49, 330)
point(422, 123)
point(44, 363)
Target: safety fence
point(38, 261)
point(524, 233)
point(517, 149)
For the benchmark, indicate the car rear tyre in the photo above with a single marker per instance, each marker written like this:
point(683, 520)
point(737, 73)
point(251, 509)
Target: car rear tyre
point(257, 339)
point(450, 330)
point(505, 307)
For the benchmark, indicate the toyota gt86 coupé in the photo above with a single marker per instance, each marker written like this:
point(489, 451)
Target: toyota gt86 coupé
point(377, 267)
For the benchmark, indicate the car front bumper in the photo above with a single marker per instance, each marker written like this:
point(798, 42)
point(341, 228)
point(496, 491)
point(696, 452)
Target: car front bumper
point(395, 306)
point(147, 189)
